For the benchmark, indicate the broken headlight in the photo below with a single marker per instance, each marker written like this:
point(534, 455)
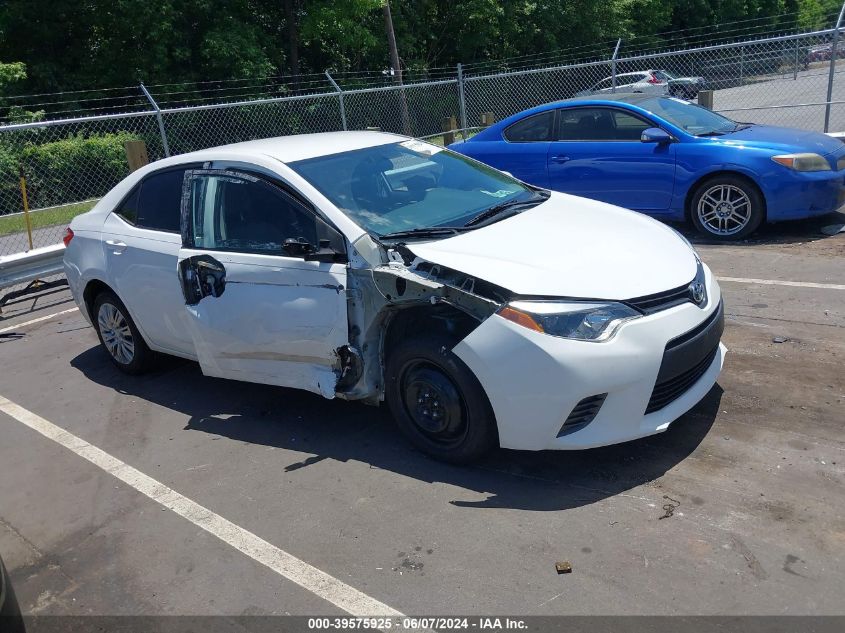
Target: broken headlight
point(577, 320)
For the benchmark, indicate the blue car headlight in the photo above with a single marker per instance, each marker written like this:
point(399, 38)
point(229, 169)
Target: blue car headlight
point(803, 162)
point(582, 321)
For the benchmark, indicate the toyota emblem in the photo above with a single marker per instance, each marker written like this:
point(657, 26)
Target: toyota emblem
point(697, 292)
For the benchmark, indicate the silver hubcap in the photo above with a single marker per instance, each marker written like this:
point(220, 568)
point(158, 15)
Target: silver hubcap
point(724, 209)
point(116, 334)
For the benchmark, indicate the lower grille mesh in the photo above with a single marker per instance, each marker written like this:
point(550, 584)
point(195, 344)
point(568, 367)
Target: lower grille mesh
point(670, 390)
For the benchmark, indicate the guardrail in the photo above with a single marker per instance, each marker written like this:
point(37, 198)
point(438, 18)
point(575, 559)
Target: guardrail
point(31, 266)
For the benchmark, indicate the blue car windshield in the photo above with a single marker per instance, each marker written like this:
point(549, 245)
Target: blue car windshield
point(689, 116)
point(413, 186)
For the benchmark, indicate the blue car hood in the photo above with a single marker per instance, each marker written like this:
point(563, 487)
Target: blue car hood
point(784, 139)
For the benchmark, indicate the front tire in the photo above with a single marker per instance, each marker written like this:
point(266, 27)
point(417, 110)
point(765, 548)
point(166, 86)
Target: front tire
point(119, 335)
point(437, 401)
point(727, 208)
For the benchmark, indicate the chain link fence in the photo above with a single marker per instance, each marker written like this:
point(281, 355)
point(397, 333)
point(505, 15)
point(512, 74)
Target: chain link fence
point(68, 164)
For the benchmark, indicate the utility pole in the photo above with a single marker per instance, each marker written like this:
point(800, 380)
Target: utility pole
point(396, 67)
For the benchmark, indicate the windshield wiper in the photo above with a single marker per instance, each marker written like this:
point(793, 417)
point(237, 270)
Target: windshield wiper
point(498, 209)
point(423, 231)
point(712, 133)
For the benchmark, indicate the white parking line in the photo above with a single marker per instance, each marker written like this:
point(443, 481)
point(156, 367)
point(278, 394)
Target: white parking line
point(777, 282)
point(286, 565)
point(38, 320)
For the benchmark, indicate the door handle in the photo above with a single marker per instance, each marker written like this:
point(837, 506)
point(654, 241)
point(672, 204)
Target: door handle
point(116, 246)
point(559, 159)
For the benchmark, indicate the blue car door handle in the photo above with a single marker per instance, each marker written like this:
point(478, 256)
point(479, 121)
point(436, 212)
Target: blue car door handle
point(558, 159)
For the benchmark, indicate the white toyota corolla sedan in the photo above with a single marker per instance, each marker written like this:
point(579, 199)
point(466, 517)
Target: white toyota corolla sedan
point(370, 266)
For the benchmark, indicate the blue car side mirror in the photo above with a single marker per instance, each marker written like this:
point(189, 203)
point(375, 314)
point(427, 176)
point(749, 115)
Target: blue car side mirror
point(655, 135)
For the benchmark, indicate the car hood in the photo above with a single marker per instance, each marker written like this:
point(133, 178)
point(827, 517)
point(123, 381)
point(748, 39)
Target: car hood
point(784, 139)
point(570, 247)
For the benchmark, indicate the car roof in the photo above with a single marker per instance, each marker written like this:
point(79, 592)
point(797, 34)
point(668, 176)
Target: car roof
point(288, 149)
point(634, 98)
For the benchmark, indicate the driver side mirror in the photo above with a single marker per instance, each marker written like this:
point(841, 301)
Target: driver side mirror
point(655, 135)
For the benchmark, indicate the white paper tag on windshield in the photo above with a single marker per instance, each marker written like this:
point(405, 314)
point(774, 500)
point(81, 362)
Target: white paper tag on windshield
point(501, 193)
point(421, 147)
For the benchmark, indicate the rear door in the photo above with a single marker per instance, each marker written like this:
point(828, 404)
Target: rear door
point(598, 154)
point(257, 308)
point(141, 243)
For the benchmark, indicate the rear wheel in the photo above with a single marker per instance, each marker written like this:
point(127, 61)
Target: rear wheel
point(437, 401)
point(727, 208)
point(119, 335)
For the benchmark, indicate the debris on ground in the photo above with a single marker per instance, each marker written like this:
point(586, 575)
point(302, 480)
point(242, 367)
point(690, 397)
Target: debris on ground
point(779, 339)
point(833, 229)
point(563, 567)
point(669, 508)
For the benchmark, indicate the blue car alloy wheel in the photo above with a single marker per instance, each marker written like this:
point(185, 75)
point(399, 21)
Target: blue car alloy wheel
point(727, 207)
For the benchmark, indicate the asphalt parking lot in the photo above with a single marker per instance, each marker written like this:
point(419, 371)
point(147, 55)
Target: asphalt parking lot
point(737, 509)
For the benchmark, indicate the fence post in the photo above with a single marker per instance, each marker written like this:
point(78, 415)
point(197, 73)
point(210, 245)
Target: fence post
point(158, 116)
point(462, 100)
point(832, 69)
point(340, 100)
point(613, 65)
point(742, 66)
point(795, 70)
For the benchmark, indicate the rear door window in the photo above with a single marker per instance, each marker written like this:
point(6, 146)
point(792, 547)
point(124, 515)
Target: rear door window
point(160, 201)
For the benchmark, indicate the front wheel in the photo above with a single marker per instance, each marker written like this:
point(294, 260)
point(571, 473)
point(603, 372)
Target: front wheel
point(727, 208)
point(437, 401)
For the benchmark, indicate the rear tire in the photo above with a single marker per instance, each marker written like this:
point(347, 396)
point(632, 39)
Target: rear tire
point(727, 208)
point(119, 336)
point(437, 401)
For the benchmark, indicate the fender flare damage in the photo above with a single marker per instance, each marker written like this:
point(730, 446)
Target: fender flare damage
point(377, 294)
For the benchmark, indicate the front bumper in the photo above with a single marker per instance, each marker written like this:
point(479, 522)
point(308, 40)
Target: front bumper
point(534, 381)
point(797, 195)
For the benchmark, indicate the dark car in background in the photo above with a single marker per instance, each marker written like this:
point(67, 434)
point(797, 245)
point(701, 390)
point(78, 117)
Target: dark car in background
point(10, 613)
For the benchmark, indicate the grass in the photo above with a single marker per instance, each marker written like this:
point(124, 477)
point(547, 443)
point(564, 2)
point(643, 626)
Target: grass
point(43, 217)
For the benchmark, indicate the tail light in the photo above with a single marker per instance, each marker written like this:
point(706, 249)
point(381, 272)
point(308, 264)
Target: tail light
point(652, 79)
point(68, 236)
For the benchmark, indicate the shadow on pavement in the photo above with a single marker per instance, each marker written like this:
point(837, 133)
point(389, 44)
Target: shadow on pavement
point(791, 232)
point(344, 431)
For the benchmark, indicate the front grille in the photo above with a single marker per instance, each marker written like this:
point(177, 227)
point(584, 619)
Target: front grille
point(583, 413)
point(661, 300)
point(672, 389)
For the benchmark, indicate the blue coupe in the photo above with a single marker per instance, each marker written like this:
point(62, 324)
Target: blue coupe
point(669, 158)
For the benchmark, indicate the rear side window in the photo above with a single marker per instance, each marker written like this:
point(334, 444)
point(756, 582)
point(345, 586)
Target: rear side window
point(155, 202)
point(128, 209)
point(539, 127)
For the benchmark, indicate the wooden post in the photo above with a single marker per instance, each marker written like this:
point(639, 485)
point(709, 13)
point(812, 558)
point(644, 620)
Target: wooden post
point(705, 99)
point(449, 127)
point(487, 119)
point(136, 154)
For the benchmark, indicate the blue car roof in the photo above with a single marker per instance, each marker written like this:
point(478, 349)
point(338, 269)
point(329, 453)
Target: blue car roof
point(619, 98)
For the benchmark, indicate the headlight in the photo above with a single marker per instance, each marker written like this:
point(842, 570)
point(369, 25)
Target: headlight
point(803, 162)
point(570, 319)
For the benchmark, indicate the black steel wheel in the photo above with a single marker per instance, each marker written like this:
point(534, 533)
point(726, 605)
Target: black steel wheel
point(437, 401)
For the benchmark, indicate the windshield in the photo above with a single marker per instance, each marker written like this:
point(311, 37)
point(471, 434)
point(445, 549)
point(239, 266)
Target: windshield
point(410, 186)
point(688, 116)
